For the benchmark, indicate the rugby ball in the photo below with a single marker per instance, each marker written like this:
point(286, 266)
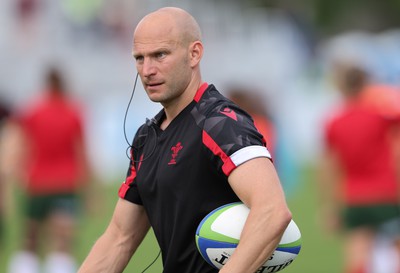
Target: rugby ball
point(218, 234)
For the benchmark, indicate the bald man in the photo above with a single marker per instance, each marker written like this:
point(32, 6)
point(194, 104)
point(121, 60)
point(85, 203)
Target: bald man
point(199, 152)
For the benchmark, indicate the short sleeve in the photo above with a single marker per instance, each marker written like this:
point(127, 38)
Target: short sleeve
point(230, 136)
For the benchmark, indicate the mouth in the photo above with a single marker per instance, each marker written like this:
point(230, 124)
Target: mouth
point(153, 84)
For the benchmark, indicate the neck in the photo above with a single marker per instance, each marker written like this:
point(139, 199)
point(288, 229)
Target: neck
point(175, 107)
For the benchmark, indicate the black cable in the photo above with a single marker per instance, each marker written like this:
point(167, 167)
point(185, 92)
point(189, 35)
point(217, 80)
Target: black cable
point(130, 147)
point(149, 125)
point(127, 109)
point(158, 255)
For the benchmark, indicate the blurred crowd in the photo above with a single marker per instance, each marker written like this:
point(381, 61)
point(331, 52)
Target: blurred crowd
point(270, 67)
point(92, 40)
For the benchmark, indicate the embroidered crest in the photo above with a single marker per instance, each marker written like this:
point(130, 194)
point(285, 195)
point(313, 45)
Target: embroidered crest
point(175, 150)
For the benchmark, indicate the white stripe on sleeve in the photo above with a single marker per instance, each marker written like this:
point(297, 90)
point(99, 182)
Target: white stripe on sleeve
point(249, 152)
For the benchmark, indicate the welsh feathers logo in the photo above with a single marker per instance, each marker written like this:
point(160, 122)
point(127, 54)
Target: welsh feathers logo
point(229, 113)
point(175, 150)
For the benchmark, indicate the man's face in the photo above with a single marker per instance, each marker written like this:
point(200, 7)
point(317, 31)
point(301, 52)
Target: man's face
point(162, 63)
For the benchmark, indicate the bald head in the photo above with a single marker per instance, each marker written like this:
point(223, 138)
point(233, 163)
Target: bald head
point(175, 22)
point(167, 48)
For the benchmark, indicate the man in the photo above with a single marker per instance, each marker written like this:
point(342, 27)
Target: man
point(54, 169)
point(4, 114)
point(360, 171)
point(198, 153)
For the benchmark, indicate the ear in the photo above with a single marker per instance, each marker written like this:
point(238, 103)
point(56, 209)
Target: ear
point(196, 53)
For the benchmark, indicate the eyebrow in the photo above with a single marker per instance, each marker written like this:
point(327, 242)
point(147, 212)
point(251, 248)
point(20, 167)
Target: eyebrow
point(153, 52)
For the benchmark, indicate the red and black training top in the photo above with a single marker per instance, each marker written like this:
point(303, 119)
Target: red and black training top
point(181, 174)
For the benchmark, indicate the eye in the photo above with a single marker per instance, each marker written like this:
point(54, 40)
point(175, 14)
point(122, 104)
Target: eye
point(160, 55)
point(139, 58)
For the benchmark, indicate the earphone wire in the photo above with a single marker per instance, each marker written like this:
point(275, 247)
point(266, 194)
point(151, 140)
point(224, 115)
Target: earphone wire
point(158, 255)
point(127, 110)
point(130, 146)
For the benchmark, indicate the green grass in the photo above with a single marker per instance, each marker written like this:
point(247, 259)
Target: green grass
point(320, 252)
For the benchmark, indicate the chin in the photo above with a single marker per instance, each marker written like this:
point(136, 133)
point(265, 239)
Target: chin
point(155, 98)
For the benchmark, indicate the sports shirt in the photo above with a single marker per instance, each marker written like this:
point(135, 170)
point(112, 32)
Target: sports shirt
point(53, 125)
point(181, 174)
point(360, 135)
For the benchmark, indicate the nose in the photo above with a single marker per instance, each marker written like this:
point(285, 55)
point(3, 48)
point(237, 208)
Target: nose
point(148, 67)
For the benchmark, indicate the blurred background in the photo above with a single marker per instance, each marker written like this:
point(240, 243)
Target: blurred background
point(281, 51)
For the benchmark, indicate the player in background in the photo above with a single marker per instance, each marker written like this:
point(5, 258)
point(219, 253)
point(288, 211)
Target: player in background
point(199, 152)
point(360, 169)
point(54, 170)
point(4, 115)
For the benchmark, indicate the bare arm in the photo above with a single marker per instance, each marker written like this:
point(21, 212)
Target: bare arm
point(258, 186)
point(113, 250)
point(330, 175)
point(13, 149)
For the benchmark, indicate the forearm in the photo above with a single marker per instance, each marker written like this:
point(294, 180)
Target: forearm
point(108, 255)
point(259, 238)
point(268, 218)
point(113, 250)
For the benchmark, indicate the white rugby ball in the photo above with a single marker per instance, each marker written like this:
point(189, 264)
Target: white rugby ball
point(218, 234)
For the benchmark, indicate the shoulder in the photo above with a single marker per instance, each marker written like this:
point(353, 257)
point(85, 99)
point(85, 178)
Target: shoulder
point(210, 100)
point(215, 107)
point(384, 99)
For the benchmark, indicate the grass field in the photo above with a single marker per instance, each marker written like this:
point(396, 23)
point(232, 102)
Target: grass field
point(320, 252)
